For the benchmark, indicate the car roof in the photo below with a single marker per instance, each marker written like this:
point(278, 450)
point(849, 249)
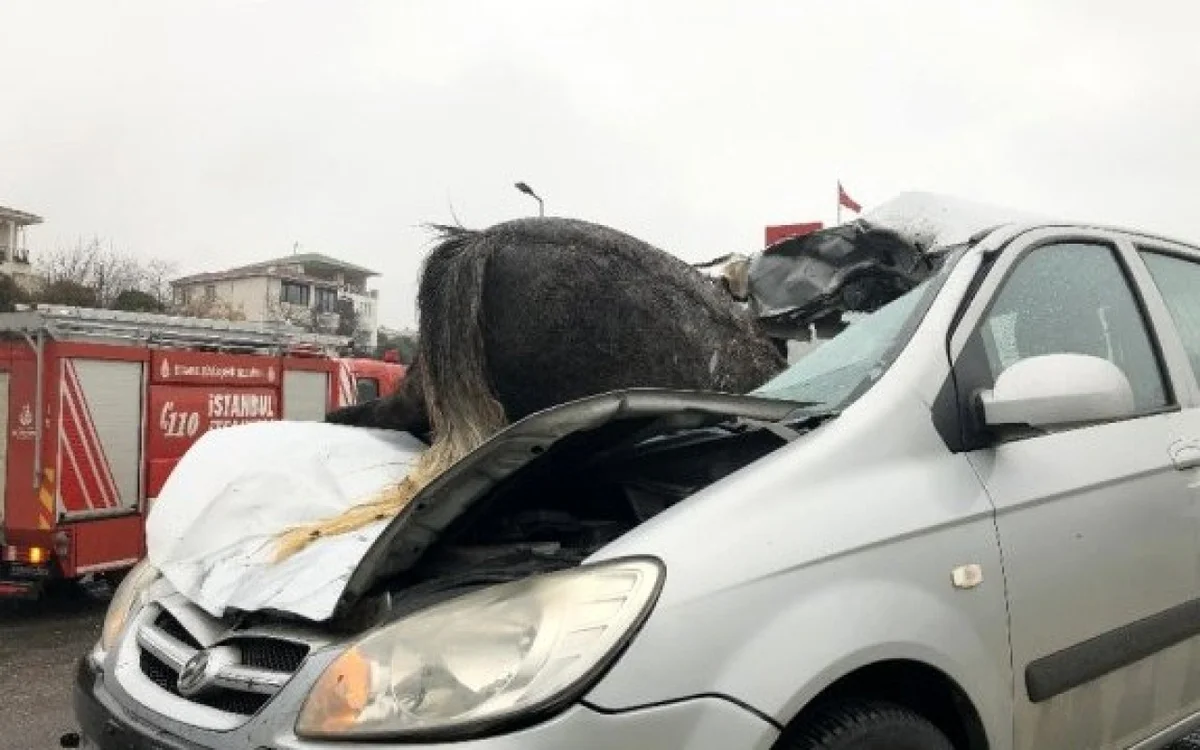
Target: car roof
point(1015, 229)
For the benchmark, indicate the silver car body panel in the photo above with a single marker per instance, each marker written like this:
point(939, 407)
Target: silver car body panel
point(862, 585)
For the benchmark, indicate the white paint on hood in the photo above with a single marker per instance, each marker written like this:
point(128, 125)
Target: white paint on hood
point(212, 529)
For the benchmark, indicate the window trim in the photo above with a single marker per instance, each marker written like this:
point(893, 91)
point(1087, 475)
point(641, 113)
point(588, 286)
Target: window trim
point(1186, 378)
point(367, 379)
point(306, 293)
point(330, 293)
point(997, 275)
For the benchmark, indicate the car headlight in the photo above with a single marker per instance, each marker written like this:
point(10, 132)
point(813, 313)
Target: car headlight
point(126, 600)
point(478, 661)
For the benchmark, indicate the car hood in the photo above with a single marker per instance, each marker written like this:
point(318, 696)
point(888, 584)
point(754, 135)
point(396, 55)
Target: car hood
point(211, 531)
point(630, 413)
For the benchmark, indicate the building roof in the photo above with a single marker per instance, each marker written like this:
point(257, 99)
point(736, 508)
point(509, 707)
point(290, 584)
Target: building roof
point(315, 259)
point(234, 274)
point(21, 217)
point(263, 269)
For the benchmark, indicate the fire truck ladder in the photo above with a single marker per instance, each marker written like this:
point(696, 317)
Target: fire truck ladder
point(169, 331)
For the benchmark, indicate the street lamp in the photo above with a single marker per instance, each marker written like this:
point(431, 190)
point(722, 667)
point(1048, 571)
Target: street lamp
point(529, 191)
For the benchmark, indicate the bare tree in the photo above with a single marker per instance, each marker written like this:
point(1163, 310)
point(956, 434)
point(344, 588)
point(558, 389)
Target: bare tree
point(157, 279)
point(297, 315)
point(215, 309)
point(107, 271)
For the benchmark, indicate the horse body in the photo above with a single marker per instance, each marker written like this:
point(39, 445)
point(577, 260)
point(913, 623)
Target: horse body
point(533, 313)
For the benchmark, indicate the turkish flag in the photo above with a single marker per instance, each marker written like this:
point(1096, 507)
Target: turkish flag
point(847, 201)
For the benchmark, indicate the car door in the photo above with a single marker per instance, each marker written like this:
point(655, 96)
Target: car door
point(1097, 526)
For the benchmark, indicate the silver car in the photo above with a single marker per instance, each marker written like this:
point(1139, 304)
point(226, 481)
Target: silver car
point(971, 520)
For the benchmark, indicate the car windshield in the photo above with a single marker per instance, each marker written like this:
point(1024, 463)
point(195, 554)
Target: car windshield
point(839, 371)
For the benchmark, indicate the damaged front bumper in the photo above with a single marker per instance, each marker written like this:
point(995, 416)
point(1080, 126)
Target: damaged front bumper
point(706, 723)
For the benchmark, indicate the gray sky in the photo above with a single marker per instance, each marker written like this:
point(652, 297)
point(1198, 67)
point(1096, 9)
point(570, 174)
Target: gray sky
point(217, 133)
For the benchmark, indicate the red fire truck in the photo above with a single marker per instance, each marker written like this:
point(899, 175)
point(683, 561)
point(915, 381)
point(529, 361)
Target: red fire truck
point(98, 407)
point(361, 379)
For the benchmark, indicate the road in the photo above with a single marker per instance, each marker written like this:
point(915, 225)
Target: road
point(40, 643)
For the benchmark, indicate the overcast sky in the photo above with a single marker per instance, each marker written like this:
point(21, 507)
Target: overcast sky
point(219, 133)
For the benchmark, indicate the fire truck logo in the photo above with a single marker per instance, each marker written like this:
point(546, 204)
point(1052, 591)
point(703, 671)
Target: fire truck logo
point(271, 374)
point(165, 370)
point(25, 427)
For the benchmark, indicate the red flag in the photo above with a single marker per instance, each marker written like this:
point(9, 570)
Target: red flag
point(847, 201)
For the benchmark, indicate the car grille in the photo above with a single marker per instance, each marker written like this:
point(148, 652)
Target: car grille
point(263, 663)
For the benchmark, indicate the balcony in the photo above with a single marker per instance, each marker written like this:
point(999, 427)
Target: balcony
point(10, 254)
point(326, 322)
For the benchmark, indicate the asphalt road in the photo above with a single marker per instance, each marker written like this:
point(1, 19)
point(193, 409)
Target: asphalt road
point(40, 643)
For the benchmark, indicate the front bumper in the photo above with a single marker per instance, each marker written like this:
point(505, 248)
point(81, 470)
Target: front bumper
point(706, 723)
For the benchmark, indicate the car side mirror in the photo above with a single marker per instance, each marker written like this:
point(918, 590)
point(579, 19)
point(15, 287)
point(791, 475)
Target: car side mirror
point(1058, 390)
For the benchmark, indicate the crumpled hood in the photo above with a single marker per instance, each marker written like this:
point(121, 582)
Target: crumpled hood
point(211, 531)
point(212, 528)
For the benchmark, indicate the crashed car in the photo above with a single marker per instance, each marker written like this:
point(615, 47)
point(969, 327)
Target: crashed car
point(967, 521)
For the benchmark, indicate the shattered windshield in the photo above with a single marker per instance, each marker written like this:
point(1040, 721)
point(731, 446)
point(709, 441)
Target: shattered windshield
point(839, 371)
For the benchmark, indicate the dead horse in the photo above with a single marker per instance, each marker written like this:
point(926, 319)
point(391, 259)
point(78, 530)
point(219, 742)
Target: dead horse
point(532, 313)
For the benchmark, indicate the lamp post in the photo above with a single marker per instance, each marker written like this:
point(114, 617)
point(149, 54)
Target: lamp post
point(529, 191)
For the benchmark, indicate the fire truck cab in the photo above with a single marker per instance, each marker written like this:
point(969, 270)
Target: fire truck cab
point(98, 406)
point(362, 379)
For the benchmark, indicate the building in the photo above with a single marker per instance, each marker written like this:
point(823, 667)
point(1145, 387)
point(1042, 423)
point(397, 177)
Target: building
point(14, 253)
point(304, 289)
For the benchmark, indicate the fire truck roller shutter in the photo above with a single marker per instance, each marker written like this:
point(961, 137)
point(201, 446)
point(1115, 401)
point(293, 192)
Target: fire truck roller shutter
point(305, 395)
point(99, 437)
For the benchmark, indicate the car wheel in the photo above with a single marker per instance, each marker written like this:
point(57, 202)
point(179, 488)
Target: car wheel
point(873, 725)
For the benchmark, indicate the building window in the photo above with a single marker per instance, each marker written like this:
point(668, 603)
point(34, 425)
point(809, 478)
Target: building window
point(210, 292)
point(293, 293)
point(326, 300)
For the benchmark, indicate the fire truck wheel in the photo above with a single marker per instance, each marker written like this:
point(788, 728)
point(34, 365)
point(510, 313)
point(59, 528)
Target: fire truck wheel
point(61, 587)
point(114, 577)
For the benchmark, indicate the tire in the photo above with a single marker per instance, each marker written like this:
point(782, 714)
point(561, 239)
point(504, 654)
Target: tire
point(867, 725)
point(114, 577)
point(60, 588)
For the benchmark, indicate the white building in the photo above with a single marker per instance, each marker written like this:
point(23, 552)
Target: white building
point(14, 253)
point(302, 289)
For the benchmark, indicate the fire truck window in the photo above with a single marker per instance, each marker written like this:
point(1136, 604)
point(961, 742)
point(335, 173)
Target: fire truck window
point(368, 389)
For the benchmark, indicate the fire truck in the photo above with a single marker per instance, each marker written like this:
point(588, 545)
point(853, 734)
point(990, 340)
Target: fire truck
point(98, 406)
point(361, 379)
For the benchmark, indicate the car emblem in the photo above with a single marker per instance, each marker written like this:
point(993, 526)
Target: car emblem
point(194, 675)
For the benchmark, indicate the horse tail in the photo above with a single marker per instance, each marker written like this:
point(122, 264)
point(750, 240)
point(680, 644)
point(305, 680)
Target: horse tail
point(462, 407)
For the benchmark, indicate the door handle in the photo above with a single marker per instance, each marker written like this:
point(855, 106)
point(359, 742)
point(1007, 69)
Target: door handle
point(1185, 454)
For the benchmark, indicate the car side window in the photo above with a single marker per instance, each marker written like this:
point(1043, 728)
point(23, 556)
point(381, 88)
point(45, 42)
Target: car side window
point(368, 389)
point(1178, 281)
point(1071, 298)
